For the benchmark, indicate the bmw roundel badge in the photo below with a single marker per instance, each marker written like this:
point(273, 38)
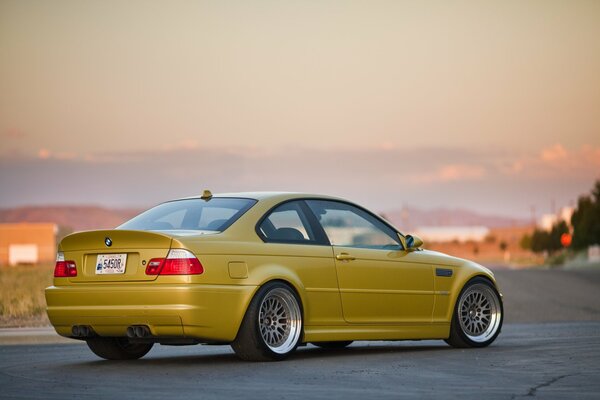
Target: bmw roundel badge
point(107, 242)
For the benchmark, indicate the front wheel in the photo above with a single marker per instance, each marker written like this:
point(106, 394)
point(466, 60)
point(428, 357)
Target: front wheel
point(477, 316)
point(117, 348)
point(272, 326)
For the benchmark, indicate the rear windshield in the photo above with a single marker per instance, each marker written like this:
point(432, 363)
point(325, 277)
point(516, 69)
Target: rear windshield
point(215, 214)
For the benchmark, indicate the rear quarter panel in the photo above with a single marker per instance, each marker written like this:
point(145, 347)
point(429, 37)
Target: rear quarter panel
point(309, 269)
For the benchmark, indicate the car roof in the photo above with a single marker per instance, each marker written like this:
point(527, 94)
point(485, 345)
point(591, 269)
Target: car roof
point(269, 196)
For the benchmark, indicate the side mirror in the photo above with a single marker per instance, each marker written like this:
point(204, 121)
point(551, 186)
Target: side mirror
point(413, 242)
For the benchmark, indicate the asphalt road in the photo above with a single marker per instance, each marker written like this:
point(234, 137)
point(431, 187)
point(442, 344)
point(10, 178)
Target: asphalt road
point(559, 359)
point(550, 295)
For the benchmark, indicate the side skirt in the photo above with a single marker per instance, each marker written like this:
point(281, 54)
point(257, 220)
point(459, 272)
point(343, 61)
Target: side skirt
point(376, 332)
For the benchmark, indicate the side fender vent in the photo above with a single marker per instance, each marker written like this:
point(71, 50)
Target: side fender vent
point(443, 272)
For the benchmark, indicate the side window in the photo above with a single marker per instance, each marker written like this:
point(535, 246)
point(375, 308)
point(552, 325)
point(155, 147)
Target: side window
point(287, 224)
point(346, 225)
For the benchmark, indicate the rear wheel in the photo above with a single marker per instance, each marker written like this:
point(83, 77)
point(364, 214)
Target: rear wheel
point(333, 345)
point(117, 348)
point(477, 316)
point(272, 326)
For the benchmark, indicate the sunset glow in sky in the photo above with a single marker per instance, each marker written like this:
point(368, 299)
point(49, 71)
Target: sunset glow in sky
point(489, 106)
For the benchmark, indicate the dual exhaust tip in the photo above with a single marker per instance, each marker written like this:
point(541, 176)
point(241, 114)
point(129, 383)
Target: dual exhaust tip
point(138, 331)
point(134, 331)
point(82, 331)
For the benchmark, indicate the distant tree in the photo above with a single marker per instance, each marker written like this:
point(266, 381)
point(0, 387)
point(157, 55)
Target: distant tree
point(544, 241)
point(540, 241)
point(525, 242)
point(557, 231)
point(490, 238)
point(503, 245)
point(586, 220)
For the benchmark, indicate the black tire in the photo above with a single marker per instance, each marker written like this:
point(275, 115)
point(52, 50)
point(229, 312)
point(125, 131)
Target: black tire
point(480, 326)
point(268, 339)
point(333, 345)
point(117, 348)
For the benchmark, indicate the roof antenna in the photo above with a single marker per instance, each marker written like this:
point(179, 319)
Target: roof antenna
point(206, 195)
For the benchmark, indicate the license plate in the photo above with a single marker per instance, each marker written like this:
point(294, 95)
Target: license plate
point(111, 264)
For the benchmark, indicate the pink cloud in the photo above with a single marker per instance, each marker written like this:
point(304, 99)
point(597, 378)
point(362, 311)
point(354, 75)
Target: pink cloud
point(14, 133)
point(443, 165)
point(384, 178)
point(554, 153)
point(65, 156)
point(188, 144)
point(552, 162)
point(44, 154)
point(452, 172)
point(591, 155)
point(461, 172)
point(387, 146)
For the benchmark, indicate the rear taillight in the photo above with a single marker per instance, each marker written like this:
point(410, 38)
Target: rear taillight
point(64, 269)
point(154, 266)
point(178, 262)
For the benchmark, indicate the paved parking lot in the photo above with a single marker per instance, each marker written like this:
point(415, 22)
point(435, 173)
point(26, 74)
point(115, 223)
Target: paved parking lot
point(549, 348)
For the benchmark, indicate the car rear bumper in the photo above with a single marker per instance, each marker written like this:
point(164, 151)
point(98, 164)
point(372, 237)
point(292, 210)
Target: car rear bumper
point(202, 312)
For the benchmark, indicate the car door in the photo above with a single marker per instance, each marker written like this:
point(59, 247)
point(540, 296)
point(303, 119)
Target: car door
point(379, 281)
point(295, 242)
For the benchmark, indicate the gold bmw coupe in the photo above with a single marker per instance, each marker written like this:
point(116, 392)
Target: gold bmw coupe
point(264, 273)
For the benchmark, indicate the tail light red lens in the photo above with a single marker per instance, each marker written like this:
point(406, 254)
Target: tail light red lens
point(154, 266)
point(64, 269)
point(178, 262)
point(182, 266)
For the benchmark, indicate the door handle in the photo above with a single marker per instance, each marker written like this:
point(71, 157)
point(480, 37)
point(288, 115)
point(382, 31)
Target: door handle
point(345, 257)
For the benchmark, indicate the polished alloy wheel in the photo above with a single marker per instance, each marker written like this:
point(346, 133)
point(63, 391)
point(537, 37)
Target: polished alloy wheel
point(479, 313)
point(279, 320)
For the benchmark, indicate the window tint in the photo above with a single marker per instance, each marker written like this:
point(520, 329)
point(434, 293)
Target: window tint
point(287, 223)
point(215, 214)
point(171, 219)
point(346, 225)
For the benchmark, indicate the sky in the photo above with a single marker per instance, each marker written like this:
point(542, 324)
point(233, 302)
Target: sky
point(487, 106)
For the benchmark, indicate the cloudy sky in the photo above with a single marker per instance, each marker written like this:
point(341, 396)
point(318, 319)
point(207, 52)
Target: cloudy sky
point(489, 106)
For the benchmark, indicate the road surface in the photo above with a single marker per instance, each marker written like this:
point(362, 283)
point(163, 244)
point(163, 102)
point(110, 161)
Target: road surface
point(549, 348)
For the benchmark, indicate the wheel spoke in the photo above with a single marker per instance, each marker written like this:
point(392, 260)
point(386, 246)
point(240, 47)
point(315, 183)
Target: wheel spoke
point(279, 320)
point(479, 312)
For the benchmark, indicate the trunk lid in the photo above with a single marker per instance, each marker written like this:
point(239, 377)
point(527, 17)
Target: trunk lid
point(136, 249)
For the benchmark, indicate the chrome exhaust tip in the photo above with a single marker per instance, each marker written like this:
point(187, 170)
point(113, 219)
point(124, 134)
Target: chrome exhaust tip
point(75, 331)
point(130, 332)
point(82, 331)
point(138, 331)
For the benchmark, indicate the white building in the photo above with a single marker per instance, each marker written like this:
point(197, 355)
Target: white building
point(546, 221)
point(441, 234)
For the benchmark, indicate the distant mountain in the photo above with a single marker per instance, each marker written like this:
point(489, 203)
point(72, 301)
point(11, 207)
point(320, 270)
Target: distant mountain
point(72, 218)
point(410, 218)
point(78, 218)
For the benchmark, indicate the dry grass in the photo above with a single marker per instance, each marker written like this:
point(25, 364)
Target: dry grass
point(22, 301)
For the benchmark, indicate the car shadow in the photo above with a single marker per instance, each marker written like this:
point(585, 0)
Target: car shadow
point(304, 353)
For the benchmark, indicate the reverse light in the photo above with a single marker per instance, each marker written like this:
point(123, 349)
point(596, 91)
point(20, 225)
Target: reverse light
point(178, 262)
point(64, 269)
point(154, 266)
